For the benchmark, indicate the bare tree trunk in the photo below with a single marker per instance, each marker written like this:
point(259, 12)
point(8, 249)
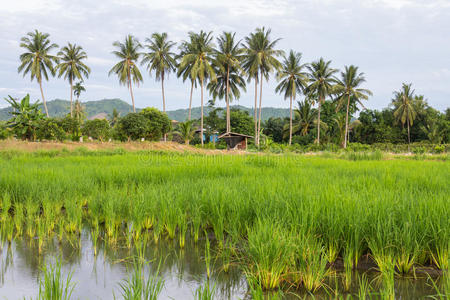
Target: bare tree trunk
point(346, 123)
point(256, 109)
point(260, 101)
point(71, 93)
point(201, 119)
point(43, 98)
point(228, 99)
point(318, 123)
point(290, 121)
point(190, 100)
point(164, 101)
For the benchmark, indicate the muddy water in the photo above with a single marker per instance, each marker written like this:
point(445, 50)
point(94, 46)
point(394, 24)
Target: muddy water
point(183, 271)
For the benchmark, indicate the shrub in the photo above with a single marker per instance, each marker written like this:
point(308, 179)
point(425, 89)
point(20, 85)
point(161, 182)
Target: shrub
point(3, 131)
point(71, 126)
point(356, 147)
point(439, 149)
point(159, 123)
point(50, 129)
point(133, 126)
point(97, 129)
point(419, 150)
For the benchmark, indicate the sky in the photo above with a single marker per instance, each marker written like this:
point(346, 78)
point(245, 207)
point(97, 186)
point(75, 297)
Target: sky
point(391, 41)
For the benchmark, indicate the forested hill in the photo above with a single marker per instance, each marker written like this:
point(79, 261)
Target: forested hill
point(59, 108)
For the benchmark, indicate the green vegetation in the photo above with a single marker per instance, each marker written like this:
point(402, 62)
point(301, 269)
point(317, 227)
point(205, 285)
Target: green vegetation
point(284, 219)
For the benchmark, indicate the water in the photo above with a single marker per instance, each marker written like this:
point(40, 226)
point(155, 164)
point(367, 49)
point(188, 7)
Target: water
point(183, 271)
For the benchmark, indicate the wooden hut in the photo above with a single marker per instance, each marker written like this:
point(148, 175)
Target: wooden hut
point(235, 141)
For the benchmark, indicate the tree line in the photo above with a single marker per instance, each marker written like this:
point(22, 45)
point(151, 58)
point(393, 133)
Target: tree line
point(224, 68)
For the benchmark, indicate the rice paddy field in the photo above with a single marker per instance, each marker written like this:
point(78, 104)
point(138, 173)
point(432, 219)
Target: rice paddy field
point(194, 226)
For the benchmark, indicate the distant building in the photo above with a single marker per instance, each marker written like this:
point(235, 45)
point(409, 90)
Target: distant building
point(235, 141)
point(101, 116)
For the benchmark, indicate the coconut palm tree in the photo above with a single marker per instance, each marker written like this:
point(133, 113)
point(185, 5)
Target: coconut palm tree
point(226, 81)
point(292, 81)
point(160, 59)
point(228, 60)
point(347, 88)
point(37, 60)
point(404, 111)
point(260, 57)
point(71, 66)
point(185, 72)
point(200, 60)
point(186, 130)
point(77, 89)
point(126, 69)
point(304, 118)
point(321, 83)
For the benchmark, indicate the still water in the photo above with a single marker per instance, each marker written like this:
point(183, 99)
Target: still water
point(183, 271)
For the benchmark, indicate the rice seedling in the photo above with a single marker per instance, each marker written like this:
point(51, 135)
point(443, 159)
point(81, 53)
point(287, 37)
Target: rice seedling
point(364, 288)
point(53, 286)
point(207, 256)
point(139, 287)
point(205, 292)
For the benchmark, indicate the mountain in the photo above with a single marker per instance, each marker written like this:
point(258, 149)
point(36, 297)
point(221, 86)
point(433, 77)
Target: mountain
point(59, 108)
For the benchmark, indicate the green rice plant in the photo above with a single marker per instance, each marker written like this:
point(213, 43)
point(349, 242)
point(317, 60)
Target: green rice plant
point(441, 255)
point(207, 256)
point(348, 269)
point(205, 292)
point(53, 286)
point(95, 232)
point(267, 252)
point(18, 218)
point(139, 287)
point(310, 263)
point(6, 206)
point(442, 292)
point(364, 288)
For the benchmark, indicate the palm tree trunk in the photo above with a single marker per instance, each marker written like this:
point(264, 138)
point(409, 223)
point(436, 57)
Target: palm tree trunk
point(228, 99)
point(43, 98)
point(190, 100)
point(256, 109)
point(290, 120)
point(346, 123)
point(164, 102)
point(318, 122)
point(71, 93)
point(131, 90)
point(260, 102)
point(201, 119)
point(409, 138)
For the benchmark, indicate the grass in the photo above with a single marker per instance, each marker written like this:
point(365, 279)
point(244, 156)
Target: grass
point(53, 286)
point(284, 218)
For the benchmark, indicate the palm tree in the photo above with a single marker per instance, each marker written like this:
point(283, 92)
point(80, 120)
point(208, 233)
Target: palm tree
point(37, 59)
point(321, 80)
point(404, 111)
point(304, 118)
point(347, 89)
point(260, 58)
point(77, 89)
point(228, 59)
point(199, 60)
point(126, 69)
point(185, 72)
point(79, 111)
point(72, 67)
point(232, 82)
point(186, 130)
point(160, 59)
point(292, 81)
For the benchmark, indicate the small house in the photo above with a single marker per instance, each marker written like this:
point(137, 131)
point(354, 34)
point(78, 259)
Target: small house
point(235, 141)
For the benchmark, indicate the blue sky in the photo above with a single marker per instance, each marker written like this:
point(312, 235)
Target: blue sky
point(392, 41)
